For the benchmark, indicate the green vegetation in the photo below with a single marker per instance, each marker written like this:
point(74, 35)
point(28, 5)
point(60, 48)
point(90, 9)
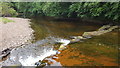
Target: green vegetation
point(5, 20)
point(86, 10)
point(94, 10)
point(7, 10)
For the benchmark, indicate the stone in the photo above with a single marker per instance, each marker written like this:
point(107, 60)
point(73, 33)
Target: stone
point(81, 37)
point(74, 40)
point(99, 32)
point(104, 27)
point(37, 63)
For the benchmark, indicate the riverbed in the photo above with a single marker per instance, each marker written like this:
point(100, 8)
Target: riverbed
point(97, 51)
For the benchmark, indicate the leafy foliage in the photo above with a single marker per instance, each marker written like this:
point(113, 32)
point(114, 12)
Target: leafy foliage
point(95, 10)
point(6, 9)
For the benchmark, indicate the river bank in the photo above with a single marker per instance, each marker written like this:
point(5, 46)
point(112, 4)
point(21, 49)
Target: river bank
point(15, 33)
point(51, 40)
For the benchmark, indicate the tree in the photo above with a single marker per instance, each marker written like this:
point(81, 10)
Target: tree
point(94, 10)
point(7, 10)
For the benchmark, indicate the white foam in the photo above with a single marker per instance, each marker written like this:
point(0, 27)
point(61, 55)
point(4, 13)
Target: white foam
point(63, 41)
point(30, 61)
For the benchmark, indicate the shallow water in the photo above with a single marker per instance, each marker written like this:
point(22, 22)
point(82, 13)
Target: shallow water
point(98, 51)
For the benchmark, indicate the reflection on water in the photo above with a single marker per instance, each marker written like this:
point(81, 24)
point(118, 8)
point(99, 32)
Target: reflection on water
point(62, 29)
point(98, 51)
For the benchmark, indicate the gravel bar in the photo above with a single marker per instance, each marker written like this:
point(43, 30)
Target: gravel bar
point(17, 33)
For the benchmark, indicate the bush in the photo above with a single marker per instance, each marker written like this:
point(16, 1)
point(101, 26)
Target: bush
point(6, 9)
point(94, 10)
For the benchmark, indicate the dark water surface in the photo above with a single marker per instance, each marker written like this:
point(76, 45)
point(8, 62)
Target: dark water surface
point(45, 26)
point(97, 51)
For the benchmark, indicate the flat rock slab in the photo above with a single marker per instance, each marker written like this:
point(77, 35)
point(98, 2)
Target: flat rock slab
point(15, 33)
point(101, 31)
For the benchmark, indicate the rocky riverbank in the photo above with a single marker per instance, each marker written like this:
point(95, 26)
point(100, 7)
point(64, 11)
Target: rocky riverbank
point(15, 33)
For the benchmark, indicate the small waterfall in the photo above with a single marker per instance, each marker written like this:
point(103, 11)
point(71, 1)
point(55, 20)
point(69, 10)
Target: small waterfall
point(31, 60)
point(28, 55)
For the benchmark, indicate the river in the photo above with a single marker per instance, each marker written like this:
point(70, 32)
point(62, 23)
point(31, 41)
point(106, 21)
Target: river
point(96, 51)
point(104, 47)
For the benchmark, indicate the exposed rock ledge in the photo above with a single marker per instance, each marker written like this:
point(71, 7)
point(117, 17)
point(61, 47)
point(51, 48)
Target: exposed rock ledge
point(104, 29)
point(100, 31)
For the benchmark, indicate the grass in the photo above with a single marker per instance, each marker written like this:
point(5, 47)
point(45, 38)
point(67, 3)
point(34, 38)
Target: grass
point(5, 20)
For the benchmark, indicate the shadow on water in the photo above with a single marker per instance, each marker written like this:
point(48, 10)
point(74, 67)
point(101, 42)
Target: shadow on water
point(98, 51)
point(51, 27)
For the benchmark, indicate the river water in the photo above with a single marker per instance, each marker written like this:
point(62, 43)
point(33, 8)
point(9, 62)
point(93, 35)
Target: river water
point(104, 47)
point(97, 51)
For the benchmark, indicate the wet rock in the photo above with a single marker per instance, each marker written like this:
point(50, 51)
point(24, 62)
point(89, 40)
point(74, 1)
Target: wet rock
point(81, 37)
point(88, 36)
point(5, 53)
point(61, 47)
point(77, 37)
point(74, 40)
point(100, 31)
point(58, 52)
point(105, 27)
point(73, 37)
point(43, 64)
point(37, 63)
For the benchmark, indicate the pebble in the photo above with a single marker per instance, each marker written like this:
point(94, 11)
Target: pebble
point(99, 44)
point(15, 36)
